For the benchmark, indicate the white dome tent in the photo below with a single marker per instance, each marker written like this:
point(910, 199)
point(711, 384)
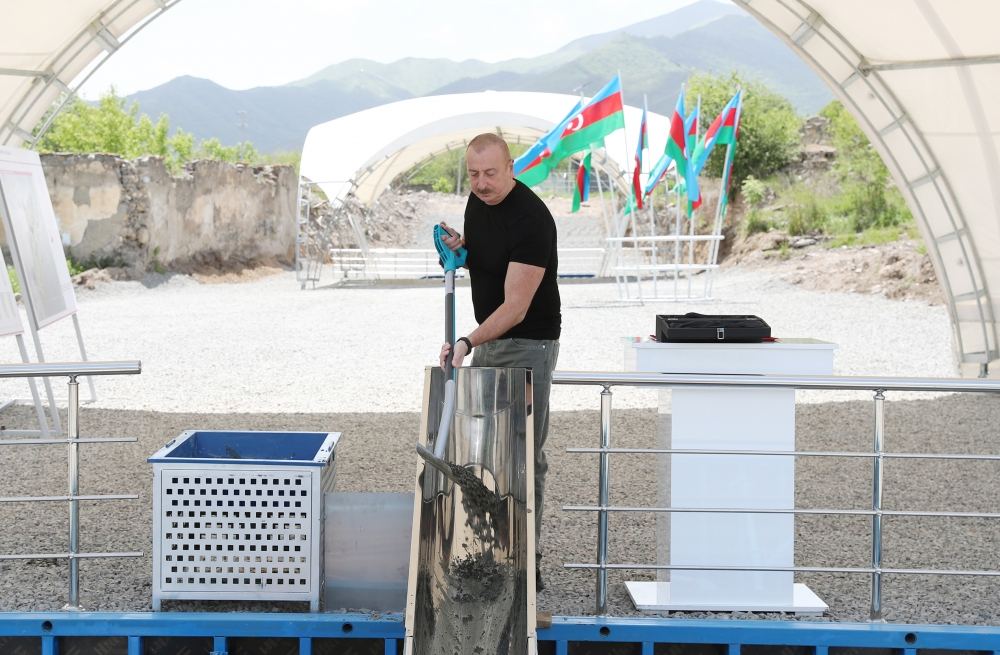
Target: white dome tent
point(363, 152)
point(919, 75)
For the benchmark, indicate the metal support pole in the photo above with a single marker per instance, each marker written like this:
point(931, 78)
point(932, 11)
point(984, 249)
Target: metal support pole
point(73, 433)
point(603, 501)
point(877, 470)
point(83, 356)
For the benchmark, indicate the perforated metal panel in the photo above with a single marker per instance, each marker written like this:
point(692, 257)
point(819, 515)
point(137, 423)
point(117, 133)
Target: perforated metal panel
point(245, 531)
point(232, 532)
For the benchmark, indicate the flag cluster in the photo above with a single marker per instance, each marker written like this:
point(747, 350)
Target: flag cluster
point(689, 154)
point(586, 125)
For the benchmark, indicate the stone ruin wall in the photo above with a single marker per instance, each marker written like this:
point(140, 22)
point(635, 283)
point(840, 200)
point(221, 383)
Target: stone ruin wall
point(136, 215)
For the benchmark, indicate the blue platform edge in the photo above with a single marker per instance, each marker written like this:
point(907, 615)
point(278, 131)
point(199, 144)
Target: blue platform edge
point(257, 448)
point(50, 627)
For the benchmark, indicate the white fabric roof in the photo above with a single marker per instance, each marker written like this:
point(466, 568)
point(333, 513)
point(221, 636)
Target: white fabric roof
point(51, 46)
point(373, 146)
point(921, 76)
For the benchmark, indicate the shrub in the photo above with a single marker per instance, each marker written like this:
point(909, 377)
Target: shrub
point(754, 191)
point(756, 222)
point(807, 213)
point(868, 197)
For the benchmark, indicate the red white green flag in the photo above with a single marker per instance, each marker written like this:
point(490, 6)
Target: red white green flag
point(581, 190)
point(641, 145)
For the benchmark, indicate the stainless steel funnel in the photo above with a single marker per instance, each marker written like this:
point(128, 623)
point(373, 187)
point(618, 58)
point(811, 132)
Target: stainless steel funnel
point(472, 565)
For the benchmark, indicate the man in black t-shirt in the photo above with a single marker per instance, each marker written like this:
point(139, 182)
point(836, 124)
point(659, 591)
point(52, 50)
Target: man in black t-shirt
point(512, 262)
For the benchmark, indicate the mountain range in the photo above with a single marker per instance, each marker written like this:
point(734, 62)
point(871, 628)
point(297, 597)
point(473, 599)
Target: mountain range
point(654, 57)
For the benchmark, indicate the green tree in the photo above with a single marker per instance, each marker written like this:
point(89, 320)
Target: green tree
point(439, 172)
point(213, 149)
point(868, 197)
point(769, 126)
point(114, 127)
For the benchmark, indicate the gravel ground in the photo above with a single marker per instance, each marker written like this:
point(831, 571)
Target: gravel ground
point(265, 346)
point(264, 355)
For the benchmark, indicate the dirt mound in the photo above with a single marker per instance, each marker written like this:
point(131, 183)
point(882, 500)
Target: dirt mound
point(901, 270)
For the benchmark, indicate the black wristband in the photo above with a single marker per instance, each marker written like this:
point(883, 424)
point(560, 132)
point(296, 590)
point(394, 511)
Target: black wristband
point(467, 343)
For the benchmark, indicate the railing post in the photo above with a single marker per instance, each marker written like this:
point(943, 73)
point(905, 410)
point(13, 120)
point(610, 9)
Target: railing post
point(73, 435)
point(877, 470)
point(603, 500)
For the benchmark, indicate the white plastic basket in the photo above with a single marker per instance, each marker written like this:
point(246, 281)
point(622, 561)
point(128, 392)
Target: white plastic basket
point(239, 515)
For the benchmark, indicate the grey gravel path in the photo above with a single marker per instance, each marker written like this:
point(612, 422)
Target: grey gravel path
point(264, 355)
point(266, 346)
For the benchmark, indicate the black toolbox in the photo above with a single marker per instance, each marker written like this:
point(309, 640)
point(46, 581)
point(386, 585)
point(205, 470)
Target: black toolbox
point(718, 328)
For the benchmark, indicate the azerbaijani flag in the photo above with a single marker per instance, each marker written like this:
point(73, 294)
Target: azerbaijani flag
point(534, 166)
point(597, 119)
point(581, 190)
point(640, 146)
point(674, 151)
point(691, 176)
point(732, 131)
point(722, 130)
point(677, 138)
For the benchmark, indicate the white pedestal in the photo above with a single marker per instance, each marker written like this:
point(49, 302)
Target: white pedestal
point(707, 418)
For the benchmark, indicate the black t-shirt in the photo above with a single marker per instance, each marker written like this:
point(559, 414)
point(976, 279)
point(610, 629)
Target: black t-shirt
point(519, 229)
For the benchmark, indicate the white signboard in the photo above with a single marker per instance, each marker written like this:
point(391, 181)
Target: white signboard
point(33, 236)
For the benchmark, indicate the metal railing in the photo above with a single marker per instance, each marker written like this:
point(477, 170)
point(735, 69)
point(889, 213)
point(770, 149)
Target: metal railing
point(877, 385)
point(416, 263)
point(72, 441)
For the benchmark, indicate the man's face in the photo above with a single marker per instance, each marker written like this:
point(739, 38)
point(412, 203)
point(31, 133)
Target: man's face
point(491, 173)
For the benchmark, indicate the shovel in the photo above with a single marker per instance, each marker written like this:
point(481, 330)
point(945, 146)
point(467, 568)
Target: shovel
point(451, 260)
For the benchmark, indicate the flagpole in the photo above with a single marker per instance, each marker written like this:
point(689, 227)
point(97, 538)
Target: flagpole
point(691, 214)
point(604, 209)
point(631, 215)
point(650, 214)
point(604, 213)
point(677, 228)
point(620, 225)
point(726, 171)
point(626, 221)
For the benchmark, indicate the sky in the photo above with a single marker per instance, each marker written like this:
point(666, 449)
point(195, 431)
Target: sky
point(242, 44)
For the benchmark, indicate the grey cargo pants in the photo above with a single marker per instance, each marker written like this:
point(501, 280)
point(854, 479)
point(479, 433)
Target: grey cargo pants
point(540, 356)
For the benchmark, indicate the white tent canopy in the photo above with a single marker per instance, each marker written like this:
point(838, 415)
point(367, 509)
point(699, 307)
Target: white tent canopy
point(919, 75)
point(923, 79)
point(50, 47)
point(366, 150)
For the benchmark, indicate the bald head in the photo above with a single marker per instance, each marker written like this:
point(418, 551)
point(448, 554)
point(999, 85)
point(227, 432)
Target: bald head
point(488, 140)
